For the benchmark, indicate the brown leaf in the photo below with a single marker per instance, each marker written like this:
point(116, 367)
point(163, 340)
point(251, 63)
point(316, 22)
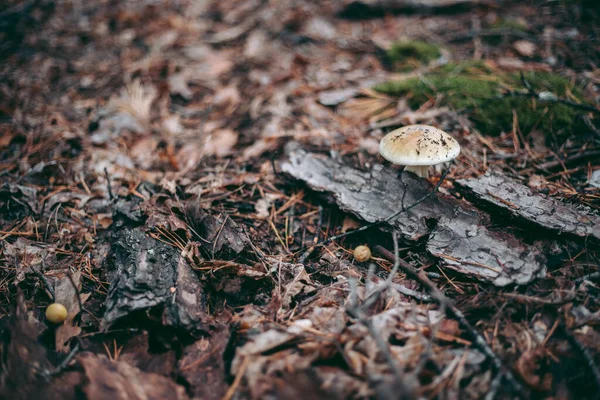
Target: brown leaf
point(203, 367)
point(66, 294)
point(524, 48)
point(117, 380)
point(23, 357)
point(529, 367)
point(221, 143)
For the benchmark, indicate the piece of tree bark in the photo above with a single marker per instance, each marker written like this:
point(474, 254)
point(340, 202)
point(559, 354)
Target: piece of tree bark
point(526, 206)
point(465, 245)
point(460, 239)
point(145, 272)
point(372, 196)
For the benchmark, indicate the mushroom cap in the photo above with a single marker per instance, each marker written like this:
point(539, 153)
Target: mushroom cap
point(362, 253)
point(56, 313)
point(418, 145)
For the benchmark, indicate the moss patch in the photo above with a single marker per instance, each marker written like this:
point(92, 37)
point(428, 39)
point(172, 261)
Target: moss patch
point(509, 23)
point(501, 25)
point(411, 54)
point(476, 90)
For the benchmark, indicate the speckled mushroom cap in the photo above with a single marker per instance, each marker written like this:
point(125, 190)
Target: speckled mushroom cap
point(418, 145)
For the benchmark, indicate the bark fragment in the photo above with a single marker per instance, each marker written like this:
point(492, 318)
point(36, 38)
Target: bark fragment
point(463, 244)
point(144, 273)
point(460, 239)
point(522, 203)
point(372, 196)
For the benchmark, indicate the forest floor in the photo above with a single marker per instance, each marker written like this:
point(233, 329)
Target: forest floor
point(184, 177)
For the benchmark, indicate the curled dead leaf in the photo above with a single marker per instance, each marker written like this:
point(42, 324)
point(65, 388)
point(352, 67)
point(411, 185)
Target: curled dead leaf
point(531, 368)
point(220, 143)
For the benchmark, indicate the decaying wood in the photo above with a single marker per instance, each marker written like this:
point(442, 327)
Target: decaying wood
point(525, 205)
point(372, 196)
point(463, 244)
point(145, 272)
point(460, 240)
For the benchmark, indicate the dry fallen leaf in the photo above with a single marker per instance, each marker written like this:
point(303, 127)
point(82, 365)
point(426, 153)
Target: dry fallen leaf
point(117, 380)
point(136, 101)
point(66, 294)
point(530, 367)
point(524, 48)
point(256, 44)
point(220, 143)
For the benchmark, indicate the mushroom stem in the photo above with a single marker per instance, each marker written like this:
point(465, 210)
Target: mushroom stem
point(419, 170)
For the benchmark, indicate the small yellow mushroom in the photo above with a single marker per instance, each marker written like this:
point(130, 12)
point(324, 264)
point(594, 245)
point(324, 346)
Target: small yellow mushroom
point(362, 253)
point(56, 313)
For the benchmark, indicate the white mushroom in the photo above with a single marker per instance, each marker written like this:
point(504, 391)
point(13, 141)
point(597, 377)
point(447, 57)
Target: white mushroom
point(418, 147)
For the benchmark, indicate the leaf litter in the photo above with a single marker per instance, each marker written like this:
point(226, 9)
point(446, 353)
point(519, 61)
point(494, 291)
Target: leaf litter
point(190, 180)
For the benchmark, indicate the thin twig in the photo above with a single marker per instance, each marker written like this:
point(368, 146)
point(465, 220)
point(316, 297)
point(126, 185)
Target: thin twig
point(546, 97)
point(588, 122)
point(494, 387)
point(309, 251)
point(238, 379)
point(549, 97)
point(110, 193)
point(67, 360)
point(43, 278)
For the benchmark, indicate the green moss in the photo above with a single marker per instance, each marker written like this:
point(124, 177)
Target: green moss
point(513, 24)
point(408, 55)
point(502, 25)
point(476, 90)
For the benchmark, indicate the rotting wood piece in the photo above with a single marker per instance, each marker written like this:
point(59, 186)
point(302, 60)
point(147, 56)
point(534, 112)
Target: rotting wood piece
point(523, 203)
point(465, 245)
point(144, 273)
point(460, 240)
point(372, 196)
